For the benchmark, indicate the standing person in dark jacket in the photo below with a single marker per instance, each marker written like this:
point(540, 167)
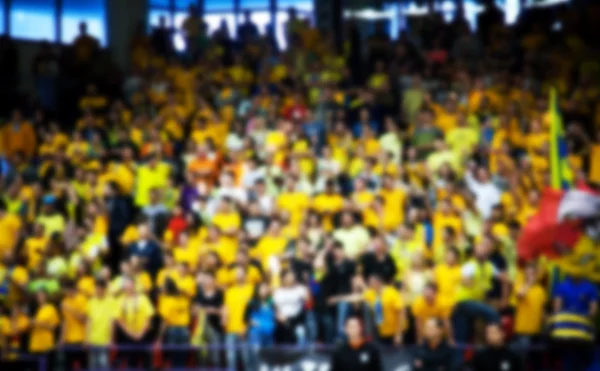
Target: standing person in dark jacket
point(120, 214)
point(356, 354)
point(496, 356)
point(147, 249)
point(435, 354)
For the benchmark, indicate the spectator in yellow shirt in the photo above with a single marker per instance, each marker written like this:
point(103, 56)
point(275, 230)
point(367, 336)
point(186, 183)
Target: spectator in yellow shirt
point(43, 326)
point(74, 314)
point(174, 310)
point(100, 326)
point(390, 315)
point(13, 328)
point(431, 306)
point(134, 316)
point(529, 312)
point(236, 299)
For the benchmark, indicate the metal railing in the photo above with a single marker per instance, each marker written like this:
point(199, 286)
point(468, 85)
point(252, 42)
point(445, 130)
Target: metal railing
point(196, 358)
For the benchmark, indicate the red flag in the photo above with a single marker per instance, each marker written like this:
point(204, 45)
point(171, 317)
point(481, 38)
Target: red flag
point(544, 234)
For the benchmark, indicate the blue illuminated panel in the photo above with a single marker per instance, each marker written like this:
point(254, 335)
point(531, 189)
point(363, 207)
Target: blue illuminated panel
point(254, 4)
point(33, 19)
point(218, 5)
point(2, 30)
point(301, 5)
point(92, 12)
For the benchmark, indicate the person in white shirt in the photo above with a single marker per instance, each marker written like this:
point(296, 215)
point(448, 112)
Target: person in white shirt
point(487, 195)
point(289, 300)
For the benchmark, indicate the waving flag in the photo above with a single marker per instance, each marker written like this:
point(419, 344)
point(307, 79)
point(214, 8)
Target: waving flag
point(567, 222)
point(560, 172)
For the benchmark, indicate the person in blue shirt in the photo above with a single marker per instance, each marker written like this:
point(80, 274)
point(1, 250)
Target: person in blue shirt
point(576, 295)
point(260, 317)
point(575, 303)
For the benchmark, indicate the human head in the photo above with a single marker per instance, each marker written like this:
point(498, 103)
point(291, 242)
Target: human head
point(347, 219)
point(263, 290)
point(101, 287)
point(494, 335)
point(128, 286)
point(354, 330)
point(240, 275)
point(288, 278)
point(375, 282)
point(42, 297)
point(452, 255)
point(430, 292)
point(83, 28)
point(433, 330)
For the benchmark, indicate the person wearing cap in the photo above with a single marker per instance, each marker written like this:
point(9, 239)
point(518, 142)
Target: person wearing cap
point(100, 326)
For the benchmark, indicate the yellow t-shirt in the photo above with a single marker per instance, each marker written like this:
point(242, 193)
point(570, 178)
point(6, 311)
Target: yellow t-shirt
point(149, 178)
point(529, 312)
point(175, 310)
point(74, 327)
point(101, 314)
point(447, 279)
point(42, 339)
point(86, 286)
point(226, 221)
point(135, 312)
point(253, 275)
point(34, 249)
point(295, 203)
point(423, 311)
point(462, 140)
point(328, 205)
point(9, 228)
point(267, 247)
point(394, 208)
point(236, 300)
point(389, 303)
point(11, 330)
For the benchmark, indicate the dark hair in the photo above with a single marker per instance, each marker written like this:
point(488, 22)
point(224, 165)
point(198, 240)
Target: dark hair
point(432, 285)
point(454, 250)
point(171, 287)
point(337, 245)
point(101, 283)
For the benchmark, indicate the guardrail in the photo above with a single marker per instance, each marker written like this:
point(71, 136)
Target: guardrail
point(201, 358)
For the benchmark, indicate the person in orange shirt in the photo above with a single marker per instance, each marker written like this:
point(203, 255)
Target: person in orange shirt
point(18, 136)
point(202, 168)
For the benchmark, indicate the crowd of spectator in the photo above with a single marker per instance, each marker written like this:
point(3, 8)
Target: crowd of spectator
point(241, 196)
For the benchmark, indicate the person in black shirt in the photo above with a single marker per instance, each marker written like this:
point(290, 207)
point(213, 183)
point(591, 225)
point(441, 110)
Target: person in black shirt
point(379, 261)
point(209, 302)
point(496, 356)
point(435, 354)
point(302, 263)
point(338, 272)
point(356, 354)
point(161, 38)
point(247, 31)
